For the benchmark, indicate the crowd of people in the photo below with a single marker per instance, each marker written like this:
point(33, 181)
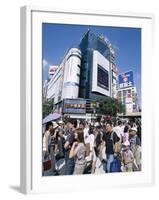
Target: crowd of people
point(116, 145)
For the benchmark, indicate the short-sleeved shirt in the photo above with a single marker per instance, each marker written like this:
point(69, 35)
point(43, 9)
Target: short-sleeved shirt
point(134, 141)
point(128, 155)
point(98, 139)
point(110, 139)
point(61, 130)
point(81, 153)
point(70, 138)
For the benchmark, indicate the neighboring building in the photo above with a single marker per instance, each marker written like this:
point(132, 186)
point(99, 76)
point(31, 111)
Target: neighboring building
point(52, 70)
point(127, 93)
point(65, 81)
point(44, 92)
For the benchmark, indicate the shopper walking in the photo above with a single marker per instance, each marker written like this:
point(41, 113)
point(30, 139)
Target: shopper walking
point(110, 141)
point(70, 139)
point(78, 151)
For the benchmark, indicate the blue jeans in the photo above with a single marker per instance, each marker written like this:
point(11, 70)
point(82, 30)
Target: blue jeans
point(69, 166)
point(110, 159)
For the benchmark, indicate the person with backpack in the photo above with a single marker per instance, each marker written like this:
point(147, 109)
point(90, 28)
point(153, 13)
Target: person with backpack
point(110, 141)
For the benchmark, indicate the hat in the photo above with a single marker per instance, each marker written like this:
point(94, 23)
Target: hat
point(133, 129)
point(55, 125)
point(60, 122)
point(127, 143)
point(96, 124)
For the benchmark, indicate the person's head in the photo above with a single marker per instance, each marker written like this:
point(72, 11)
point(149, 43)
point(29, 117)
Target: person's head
point(119, 123)
point(126, 145)
point(82, 125)
point(126, 129)
point(61, 123)
point(48, 126)
point(98, 128)
point(91, 130)
point(132, 131)
point(71, 123)
point(55, 125)
point(79, 135)
point(109, 127)
point(87, 124)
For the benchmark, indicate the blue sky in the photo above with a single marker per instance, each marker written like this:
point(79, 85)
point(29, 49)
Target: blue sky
point(57, 38)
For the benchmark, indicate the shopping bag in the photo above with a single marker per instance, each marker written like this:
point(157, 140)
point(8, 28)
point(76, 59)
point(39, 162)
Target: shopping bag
point(115, 166)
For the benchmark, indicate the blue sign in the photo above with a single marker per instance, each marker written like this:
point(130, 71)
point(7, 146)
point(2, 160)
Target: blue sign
point(126, 80)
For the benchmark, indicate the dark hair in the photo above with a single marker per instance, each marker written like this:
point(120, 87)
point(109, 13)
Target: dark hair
point(82, 123)
point(72, 121)
point(119, 123)
point(109, 122)
point(91, 130)
point(126, 129)
point(48, 124)
point(80, 135)
point(98, 127)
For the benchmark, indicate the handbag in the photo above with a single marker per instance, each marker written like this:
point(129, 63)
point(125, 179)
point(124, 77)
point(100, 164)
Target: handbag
point(47, 164)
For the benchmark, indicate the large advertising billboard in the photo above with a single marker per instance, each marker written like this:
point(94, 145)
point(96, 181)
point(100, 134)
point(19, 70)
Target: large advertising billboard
point(102, 78)
point(126, 80)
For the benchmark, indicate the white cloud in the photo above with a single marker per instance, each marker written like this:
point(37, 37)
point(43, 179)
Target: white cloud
point(45, 64)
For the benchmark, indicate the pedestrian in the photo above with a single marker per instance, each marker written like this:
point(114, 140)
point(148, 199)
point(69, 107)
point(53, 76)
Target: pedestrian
point(110, 141)
point(45, 154)
point(86, 132)
point(135, 146)
point(127, 157)
point(82, 125)
point(91, 157)
point(70, 138)
point(49, 127)
point(97, 146)
point(60, 139)
point(53, 147)
point(125, 137)
point(118, 129)
point(78, 151)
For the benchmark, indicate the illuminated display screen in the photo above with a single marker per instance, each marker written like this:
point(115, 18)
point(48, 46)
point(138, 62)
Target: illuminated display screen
point(102, 78)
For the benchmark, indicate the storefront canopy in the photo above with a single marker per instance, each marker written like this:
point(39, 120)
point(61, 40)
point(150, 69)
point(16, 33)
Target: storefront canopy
point(51, 117)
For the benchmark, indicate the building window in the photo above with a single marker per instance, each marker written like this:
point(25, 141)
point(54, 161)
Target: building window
point(78, 66)
point(102, 78)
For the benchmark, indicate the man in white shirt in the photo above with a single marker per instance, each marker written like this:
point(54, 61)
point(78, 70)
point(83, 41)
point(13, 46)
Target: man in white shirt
point(118, 129)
